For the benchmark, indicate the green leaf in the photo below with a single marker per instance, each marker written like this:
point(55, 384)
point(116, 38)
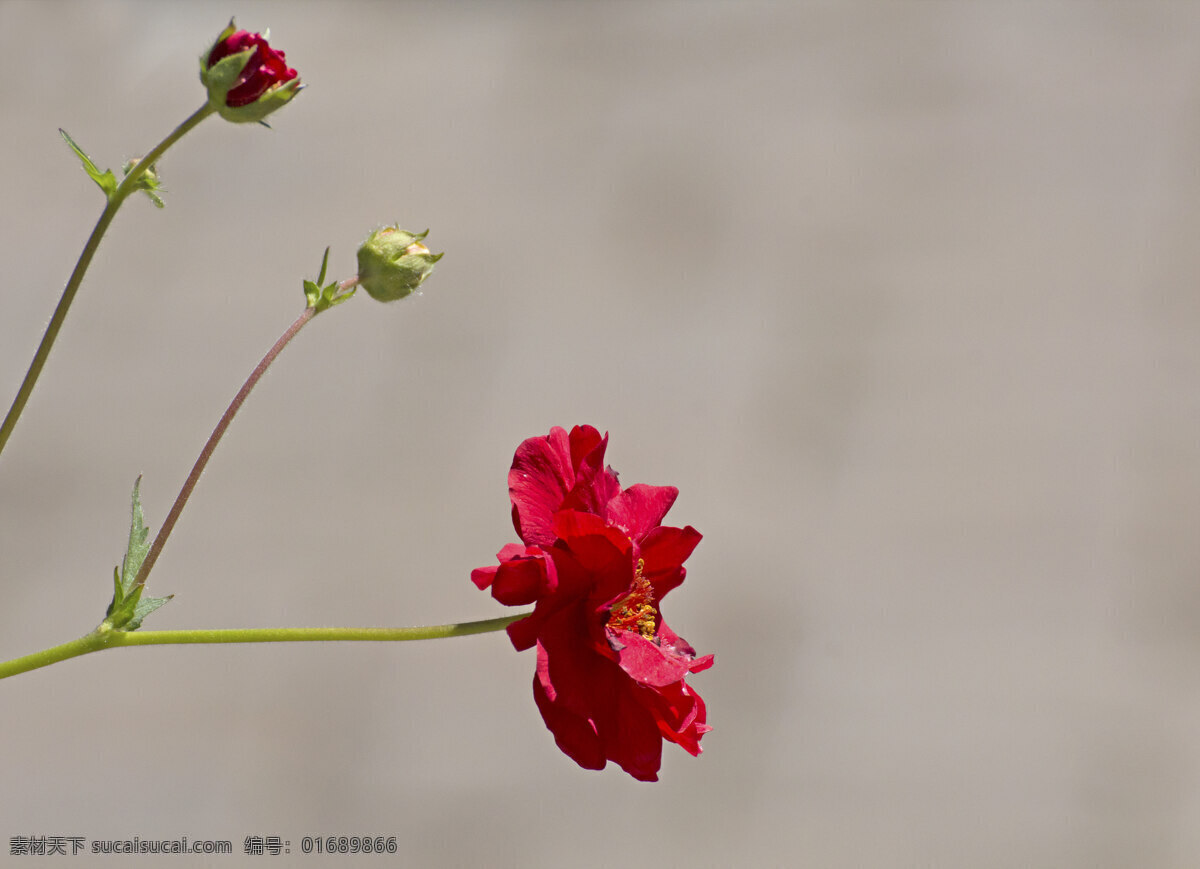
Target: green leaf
point(144, 607)
point(139, 545)
point(334, 295)
point(128, 607)
point(106, 179)
point(118, 592)
point(324, 266)
point(312, 290)
point(325, 297)
point(312, 294)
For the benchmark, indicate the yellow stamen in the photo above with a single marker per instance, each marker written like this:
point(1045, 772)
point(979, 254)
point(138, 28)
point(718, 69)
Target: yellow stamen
point(635, 612)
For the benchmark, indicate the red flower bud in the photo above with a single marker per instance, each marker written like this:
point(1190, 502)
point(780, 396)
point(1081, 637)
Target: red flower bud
point(246, 78)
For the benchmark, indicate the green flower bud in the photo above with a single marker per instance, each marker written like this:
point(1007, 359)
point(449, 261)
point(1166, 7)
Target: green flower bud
point(392, 263)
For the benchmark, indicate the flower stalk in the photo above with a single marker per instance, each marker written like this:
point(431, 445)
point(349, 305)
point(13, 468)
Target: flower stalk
point(127, 186)
point(338, 291)
point(100, 639)
point(218, 432)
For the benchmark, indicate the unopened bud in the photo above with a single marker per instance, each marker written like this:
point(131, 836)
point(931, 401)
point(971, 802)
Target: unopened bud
point(392, 263)
point(246, 78)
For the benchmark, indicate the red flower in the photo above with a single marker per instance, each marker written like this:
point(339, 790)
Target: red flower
point(265, 69)
point(597, 563)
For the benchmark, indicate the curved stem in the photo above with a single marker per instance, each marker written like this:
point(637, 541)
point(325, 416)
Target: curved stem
point(101, 639)
point(205, 454)
point(126, 187)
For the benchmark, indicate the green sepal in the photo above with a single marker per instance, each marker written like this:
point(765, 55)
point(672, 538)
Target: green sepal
point(128, 607)
point(230, 29)
point(147, 182)
point(106, 180)
point(221, 77)
point(269, 102)
point(324, 297)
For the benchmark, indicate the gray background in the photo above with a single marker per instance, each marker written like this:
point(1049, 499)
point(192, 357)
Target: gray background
point(902, 297)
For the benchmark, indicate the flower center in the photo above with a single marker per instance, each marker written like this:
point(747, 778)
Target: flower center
point(635, 612)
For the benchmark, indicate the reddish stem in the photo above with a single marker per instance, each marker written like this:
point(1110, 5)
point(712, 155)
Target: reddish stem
point(205, 454)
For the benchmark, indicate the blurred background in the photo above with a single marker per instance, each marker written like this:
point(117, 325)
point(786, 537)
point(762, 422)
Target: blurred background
point(902, 297)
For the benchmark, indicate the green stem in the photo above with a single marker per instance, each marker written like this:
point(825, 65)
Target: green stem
point(126, 187)
point(107, 639)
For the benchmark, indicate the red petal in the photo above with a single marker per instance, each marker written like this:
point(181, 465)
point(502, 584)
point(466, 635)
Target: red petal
point(567, 601)
point(579, 530)
point(594, 485)
point(664, 550)
point(575, 736)
point(518, 582)
point(647, 663)
point(483, 576)
point(673, 644)
point(237, 41)
point(265, 69)
point(584, 439)
point(681, 716)
point(523, 634)
point(601, 557)
point(540, 478)
point(640, 508)
point(558, 472)
point(635, 742)
point(593, 709)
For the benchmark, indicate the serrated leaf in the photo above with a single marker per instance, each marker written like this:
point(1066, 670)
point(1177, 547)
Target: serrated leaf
point(139, 545)
point(106, 179)
point(128, 607)
point(144, 607)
